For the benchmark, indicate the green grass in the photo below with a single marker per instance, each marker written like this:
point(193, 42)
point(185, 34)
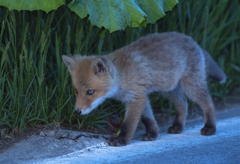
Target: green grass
point(35, 87)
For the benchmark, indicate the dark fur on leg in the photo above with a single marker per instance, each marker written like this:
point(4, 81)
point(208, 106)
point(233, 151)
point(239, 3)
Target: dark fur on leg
point(209, 127)
point(120, 139)
point(177, 97)
point(177, 127)
point(151, 129)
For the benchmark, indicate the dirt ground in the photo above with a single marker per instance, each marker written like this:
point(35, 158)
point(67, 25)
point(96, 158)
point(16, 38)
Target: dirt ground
point(8, 137)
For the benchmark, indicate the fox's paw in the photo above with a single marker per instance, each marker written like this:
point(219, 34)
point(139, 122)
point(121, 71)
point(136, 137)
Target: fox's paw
point(175, 129)
point(208, 130)
point(149, 136)
point(117, 141)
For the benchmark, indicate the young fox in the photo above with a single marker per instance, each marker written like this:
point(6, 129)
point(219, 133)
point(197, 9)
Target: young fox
point(171, 63)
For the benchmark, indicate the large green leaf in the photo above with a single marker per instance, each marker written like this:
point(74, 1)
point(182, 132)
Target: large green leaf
point(155, 9)
point(45, 5)
point(118, 14)
point(112, 14)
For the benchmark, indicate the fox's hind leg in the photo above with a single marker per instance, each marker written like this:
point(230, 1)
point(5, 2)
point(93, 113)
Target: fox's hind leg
point(196, 89)
point(150, 123)
point(177, 97)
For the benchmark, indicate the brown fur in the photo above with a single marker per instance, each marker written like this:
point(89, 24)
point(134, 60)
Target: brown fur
point(170, 63)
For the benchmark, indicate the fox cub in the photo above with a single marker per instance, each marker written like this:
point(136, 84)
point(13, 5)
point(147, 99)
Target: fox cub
point(171, 63)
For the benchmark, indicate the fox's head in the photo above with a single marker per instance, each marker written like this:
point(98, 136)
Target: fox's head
point(92, 79)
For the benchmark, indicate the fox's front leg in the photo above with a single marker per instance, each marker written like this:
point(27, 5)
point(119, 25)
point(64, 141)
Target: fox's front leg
point(133, 113)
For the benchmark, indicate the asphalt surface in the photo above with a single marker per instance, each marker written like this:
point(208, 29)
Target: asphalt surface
point(70, 147)
point(188, 147)
point(223, 150)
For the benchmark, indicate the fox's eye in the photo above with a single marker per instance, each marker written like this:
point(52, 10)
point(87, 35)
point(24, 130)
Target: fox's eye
point(76, 91)
point(90, 92)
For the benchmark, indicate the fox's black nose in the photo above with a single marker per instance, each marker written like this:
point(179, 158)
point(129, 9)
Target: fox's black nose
point(78, 112)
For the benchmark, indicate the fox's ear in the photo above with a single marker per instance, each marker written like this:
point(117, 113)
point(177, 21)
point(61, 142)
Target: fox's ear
point(69, 61)
point(99, 65)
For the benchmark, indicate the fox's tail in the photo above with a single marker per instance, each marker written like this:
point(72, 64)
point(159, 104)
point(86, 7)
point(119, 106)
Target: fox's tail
point(213, 70)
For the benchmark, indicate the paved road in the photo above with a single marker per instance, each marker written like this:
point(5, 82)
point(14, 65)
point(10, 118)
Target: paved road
point(188, 147)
